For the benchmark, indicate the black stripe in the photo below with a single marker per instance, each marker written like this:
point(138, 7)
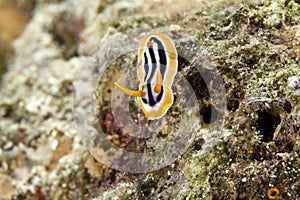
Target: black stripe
point(158, 98)
point(145, 57)
point(146, 66)
point(150, 95)
point(153, 60)
point(144, 100)
point(163, 59)
point(162, 56)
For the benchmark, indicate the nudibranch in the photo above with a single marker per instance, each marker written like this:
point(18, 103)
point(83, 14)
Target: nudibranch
point(157, 66)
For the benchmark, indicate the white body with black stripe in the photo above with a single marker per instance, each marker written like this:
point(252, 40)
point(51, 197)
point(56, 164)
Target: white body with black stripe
point(157, 58)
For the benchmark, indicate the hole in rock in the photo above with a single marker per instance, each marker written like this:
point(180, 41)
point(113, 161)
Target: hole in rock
point(266, 124)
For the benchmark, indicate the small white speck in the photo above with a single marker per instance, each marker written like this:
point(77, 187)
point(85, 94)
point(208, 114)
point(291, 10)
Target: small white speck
point(244, 180)
point(273, 176)
point(54, 145)
point(271, 185)
point(169, 173)
point(254, 41)
point(227, 133)
point(267, 105)
point(32, 107)
point(175, 27)
point(293, 82)
point(8, 145)
point(75, 167)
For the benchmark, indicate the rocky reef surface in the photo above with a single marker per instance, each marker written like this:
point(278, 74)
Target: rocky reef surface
point(240, 140)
